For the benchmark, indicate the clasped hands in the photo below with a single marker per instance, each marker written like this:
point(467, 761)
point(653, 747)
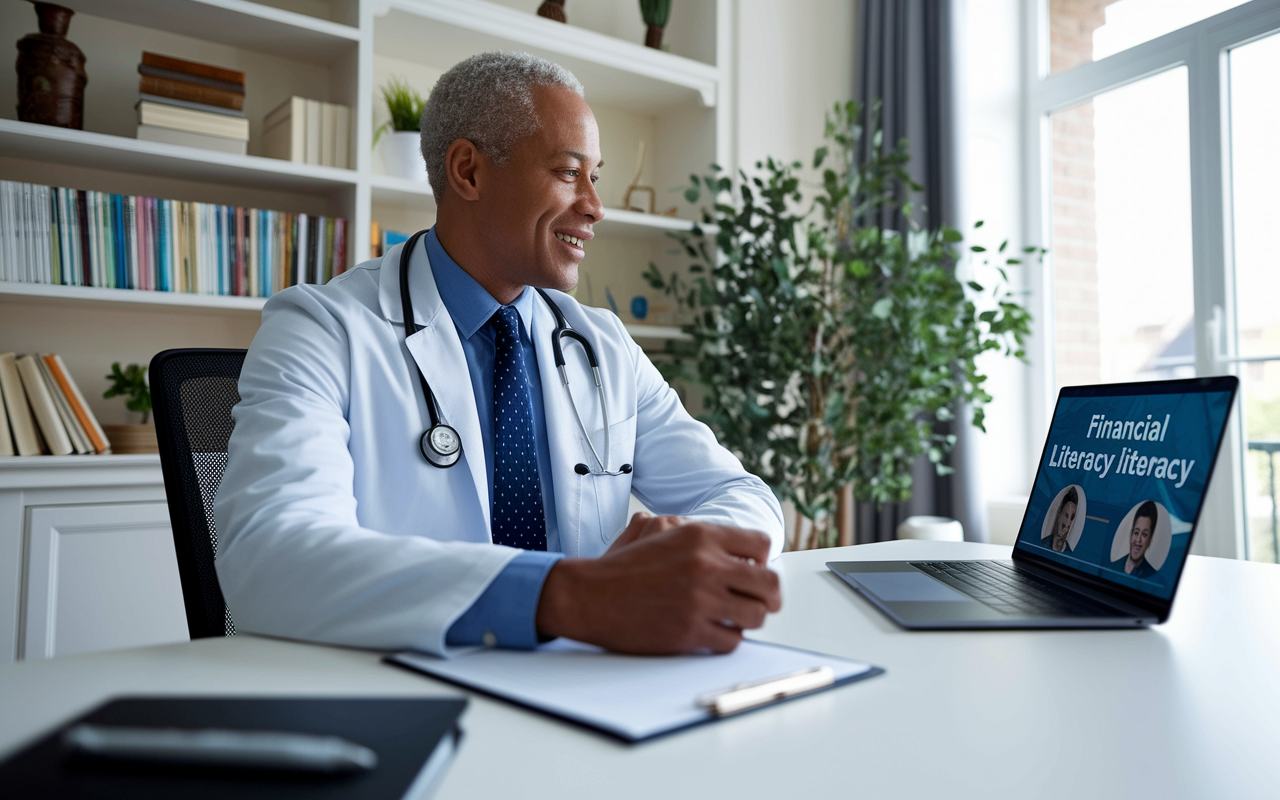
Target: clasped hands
point(666, 586)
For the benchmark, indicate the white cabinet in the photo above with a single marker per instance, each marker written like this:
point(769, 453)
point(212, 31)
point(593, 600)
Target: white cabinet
point(86, 556)
point(99, 577)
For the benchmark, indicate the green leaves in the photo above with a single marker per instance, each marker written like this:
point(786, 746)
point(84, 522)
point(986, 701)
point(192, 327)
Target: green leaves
point(404, 107)
point(130, 382)
point(827, 347)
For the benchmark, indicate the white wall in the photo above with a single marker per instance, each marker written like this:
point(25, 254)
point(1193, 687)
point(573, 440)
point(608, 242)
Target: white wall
point(990, 169)
point(793, 60)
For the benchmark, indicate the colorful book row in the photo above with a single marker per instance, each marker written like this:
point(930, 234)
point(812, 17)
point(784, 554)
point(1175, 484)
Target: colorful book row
point(75, 237)
point(43, 411)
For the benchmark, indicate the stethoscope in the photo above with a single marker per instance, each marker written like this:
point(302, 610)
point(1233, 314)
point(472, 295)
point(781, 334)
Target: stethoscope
point(441, 445)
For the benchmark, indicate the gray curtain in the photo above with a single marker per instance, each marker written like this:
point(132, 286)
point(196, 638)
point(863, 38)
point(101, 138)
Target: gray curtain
point(908, 57)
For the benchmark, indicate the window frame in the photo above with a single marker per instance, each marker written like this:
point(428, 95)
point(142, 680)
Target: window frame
point(1203, 48)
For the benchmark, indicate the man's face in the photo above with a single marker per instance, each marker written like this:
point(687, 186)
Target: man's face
point(1140, 538)
point(1066, 518)
point(546, 195)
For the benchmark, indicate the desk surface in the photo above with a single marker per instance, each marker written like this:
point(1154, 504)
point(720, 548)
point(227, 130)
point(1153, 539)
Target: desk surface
point(1188, 709)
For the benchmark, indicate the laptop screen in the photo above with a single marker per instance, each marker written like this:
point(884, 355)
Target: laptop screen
point(1123, 476)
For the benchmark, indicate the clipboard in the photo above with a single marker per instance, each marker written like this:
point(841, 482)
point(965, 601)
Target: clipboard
point(637, 698)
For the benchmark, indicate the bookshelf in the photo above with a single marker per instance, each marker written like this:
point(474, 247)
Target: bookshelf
point(340, 51)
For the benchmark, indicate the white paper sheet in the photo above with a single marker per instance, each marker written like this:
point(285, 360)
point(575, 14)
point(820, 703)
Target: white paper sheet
point(633, 697)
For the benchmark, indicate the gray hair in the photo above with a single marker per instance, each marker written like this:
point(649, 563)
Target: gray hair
point(488, 100)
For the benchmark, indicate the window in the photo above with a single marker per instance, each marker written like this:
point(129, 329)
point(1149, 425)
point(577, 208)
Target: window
point(1153, 123)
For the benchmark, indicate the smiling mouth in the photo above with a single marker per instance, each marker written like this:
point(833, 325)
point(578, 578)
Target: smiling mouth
point(573, 240)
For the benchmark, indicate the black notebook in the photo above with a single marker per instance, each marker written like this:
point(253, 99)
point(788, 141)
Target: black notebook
point(414, 739)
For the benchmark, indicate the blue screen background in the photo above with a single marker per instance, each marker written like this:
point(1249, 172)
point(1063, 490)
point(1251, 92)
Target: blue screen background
point(1196, 422)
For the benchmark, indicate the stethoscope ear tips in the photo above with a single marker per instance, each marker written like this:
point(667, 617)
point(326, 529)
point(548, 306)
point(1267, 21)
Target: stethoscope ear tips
point(582, 469)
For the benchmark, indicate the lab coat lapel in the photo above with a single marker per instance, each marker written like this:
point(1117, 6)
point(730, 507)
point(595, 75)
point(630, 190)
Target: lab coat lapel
point(437, 350)
point(563, 436)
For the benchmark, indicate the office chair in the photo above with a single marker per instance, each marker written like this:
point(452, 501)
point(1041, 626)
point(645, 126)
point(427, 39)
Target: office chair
point(192, 393)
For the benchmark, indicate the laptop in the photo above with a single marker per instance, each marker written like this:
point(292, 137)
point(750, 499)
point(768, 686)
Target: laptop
point(1106, 532)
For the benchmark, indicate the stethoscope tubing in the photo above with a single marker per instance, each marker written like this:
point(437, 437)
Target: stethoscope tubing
point(439, 430)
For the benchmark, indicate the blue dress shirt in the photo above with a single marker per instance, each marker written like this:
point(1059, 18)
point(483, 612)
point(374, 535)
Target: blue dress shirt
point(505, 613)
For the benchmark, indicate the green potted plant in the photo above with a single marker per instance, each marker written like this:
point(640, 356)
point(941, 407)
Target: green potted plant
point(828, 346)
point(656, 14)
point(401, 154)
point(131, 383)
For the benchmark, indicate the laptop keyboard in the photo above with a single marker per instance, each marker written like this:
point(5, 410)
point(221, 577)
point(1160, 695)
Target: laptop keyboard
point(1012, 591)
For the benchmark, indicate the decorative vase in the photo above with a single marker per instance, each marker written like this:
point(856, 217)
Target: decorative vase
point(51, 76)
point(131, 439)
point(553, 9)
point(401, 156)
point(653, 36)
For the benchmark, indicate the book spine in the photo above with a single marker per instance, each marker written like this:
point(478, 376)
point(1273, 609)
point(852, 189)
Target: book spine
point(79, 440)
point(304, 236)
point(254, 289)
point(328, 250)
point(86, 251)
point(120, 243)
point(199, 80)
point(339, 246)
point(6, 437)
point(131, 239)
point(193, 68)
point(294, 222)
point(42, 407)
point(55, 227)
point(25, 434)
point(191, 92)
point(77, 402)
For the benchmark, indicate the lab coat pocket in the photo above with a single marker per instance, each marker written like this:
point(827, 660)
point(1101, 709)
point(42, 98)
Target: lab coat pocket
point(610, 493)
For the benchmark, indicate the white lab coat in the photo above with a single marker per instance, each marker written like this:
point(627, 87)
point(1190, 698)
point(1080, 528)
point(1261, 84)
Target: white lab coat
point(332, 526)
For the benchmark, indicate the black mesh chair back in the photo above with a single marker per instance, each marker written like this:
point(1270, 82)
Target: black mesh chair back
point(192, 394)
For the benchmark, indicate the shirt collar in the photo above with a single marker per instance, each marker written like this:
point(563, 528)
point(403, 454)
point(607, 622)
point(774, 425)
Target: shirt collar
point(468, 303)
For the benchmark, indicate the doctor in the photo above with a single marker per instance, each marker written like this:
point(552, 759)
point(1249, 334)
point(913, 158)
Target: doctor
point(505, 524)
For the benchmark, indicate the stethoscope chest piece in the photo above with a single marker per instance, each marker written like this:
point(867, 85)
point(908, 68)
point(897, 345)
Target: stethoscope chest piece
point(441, 446)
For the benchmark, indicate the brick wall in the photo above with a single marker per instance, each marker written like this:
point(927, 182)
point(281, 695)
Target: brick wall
point(1077, 348)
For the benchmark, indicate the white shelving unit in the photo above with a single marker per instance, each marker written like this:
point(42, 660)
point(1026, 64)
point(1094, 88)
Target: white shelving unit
point(341, 51)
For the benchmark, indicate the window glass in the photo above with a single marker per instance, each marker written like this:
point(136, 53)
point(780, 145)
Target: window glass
point(1122, 261)
point(1081, 31)
point(1255, 118)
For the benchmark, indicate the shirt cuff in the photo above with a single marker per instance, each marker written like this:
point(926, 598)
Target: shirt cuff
point(505, 614)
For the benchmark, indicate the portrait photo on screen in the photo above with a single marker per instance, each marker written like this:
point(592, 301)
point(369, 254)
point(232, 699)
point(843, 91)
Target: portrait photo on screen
point(1064, 523)
point(1141, 543)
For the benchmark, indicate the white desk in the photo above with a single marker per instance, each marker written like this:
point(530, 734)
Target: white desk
point(1187, 710)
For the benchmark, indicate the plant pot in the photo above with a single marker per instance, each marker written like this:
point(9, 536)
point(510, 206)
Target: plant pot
point(401, 156)
point(933, 529)
point(130, 439)
point(653, 37)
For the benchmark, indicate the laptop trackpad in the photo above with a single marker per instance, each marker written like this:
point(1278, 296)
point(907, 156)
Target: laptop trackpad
point(893, 587)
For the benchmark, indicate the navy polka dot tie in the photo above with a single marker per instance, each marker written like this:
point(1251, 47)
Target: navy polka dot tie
point(518, 520)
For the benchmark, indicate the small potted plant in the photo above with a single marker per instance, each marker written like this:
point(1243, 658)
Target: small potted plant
point(655, 13)
point(131, 383)
point(401, 156)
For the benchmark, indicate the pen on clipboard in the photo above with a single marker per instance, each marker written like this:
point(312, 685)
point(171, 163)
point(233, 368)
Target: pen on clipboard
point(746, 696)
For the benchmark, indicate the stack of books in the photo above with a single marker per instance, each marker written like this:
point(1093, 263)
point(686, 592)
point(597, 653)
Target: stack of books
point(308, 132)
point(43, 411)
point(197, 105)
point(73, 237)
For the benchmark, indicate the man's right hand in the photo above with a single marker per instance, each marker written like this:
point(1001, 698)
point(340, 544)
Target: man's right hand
point(669, 589)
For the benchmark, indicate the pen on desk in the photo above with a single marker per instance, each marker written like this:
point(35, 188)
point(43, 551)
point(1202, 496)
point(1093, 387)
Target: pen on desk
point(299, 752)
point(746, 696)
